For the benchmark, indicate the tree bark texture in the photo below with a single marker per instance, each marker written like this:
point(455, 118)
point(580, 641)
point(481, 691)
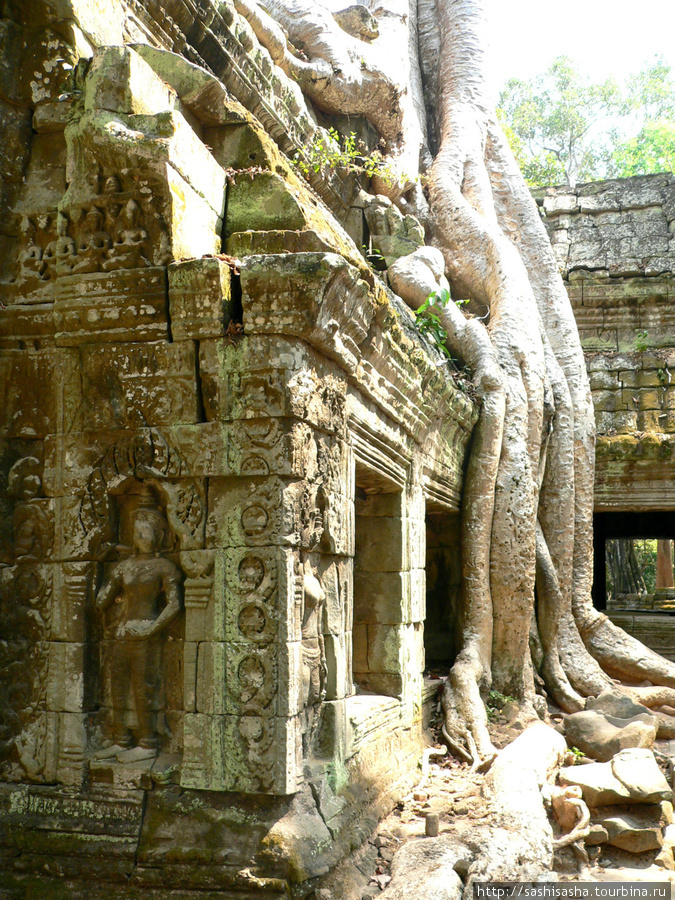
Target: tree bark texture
point(527, 509)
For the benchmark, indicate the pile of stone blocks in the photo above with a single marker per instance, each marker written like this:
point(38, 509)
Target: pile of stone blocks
point(629, 799)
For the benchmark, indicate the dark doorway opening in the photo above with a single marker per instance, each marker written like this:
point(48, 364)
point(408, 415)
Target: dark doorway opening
point(626, 540)
point(443, 586)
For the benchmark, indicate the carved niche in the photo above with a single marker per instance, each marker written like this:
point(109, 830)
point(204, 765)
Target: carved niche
point(138, 600)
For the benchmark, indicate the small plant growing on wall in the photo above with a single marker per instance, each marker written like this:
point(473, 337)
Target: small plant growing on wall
point(641, 341)
point(428, 321)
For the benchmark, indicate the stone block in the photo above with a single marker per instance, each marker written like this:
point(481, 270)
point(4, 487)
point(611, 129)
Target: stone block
point(559, 204)
point(601, 736)
point(360, 648)
point(245, 679)
point(72, 541)
point(592, 339)
point(190, 650)
point(241, 146)
point(418, 595)
point(119, 80)
point(253, 598)
point(274, 447)
point(179, 189)
point(333, 575)
point(201, 303)
point(15, 129)
point(605, 401)
point(264, 755)
point(71, 742)
point(379, 545)
point(625, 422)
point(201, 448)
point(383, 684)
point(632, 776)
point(203, 752)
point(127, 305)
point(387, 646)
point(198, 593)
point(604, 381)
point(650, 400)
point(195, 220)
point(263, 202)
point(382, 597)
point(27, 397)
point(632, 833)
point(329, 742)
point(252, 243)
point(650, 420)
point(52, 116)
point(319, 297)
point(136, 385)
point(66, 684)
point(415, 537)
point(339, 675)
point(271, 377)
point(248, 753)
point(251, 512)
point(246, 512)
point(229, 391)
point(73, 587)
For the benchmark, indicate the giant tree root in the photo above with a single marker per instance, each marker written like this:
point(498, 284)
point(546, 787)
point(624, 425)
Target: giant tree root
point(516, 844)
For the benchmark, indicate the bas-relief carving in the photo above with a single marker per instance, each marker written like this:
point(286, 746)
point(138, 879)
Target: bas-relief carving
point(25, 621)
point(148, 455)
point(139, 598)
point(113, 231)
point(314, 670)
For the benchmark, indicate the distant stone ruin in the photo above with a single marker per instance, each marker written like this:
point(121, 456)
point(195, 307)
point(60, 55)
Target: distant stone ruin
point(615, 241)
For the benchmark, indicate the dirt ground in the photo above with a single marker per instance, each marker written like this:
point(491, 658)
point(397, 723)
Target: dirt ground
point(453, 792)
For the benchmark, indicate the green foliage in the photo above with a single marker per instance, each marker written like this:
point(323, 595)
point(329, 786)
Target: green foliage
point(498, 700)
point(651, 151)
point(563, 128)
point(428, 321)
point(645, 550)
point(578, 755)
point(495, 703)
point(551, 116)
point(641, 341)
point(345, 153)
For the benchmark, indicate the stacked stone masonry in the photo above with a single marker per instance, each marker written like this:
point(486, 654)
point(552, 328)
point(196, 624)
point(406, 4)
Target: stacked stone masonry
point(615, 242)
point(215, 421)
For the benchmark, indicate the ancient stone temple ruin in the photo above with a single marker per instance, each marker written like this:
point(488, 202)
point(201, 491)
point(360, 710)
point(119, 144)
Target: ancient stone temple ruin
point(222, 442)
point(615, 241)
point(231, 464)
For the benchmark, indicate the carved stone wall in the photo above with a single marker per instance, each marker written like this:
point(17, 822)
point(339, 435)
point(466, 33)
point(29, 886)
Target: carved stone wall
point(220, 433)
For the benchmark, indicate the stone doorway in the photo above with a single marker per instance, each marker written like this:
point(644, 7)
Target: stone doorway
point(443, 587)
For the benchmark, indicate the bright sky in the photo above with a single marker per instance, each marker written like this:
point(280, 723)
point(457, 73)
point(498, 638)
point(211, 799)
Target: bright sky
point(603, 37)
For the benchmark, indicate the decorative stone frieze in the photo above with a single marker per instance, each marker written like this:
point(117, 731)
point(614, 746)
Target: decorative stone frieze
point(220, 431)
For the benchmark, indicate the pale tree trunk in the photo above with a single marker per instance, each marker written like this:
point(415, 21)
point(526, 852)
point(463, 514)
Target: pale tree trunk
point(527, 508)
point(664, 564)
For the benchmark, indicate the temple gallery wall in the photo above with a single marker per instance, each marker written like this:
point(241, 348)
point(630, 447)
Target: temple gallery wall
point(615, 245)
point(231, 466)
